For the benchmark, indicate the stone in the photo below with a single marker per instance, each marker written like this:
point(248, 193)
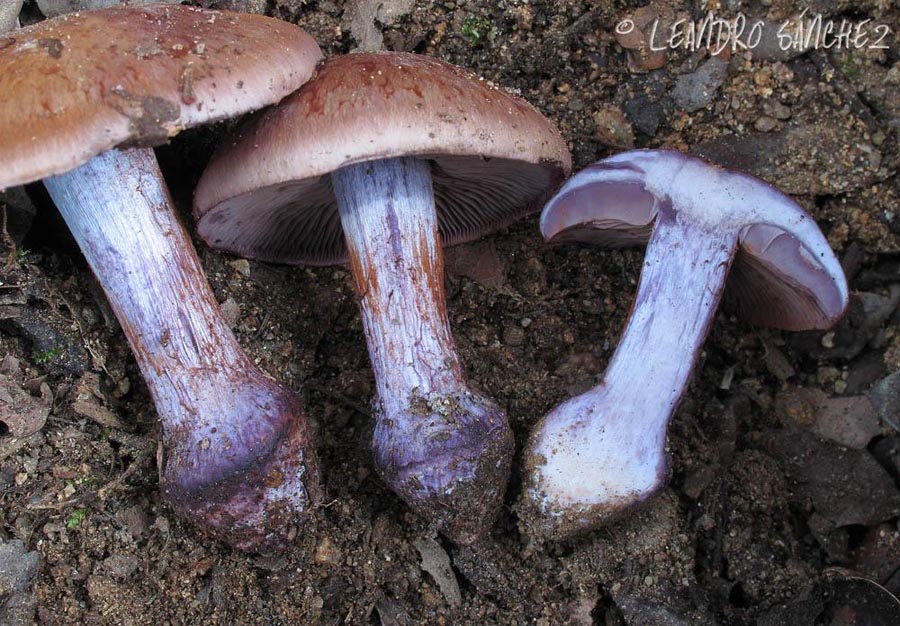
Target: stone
point(696, 90)
point(846, 487)
point(849, 421)
point(17, 567)
point(885, 397)
point(365, 16)
point(612, 128)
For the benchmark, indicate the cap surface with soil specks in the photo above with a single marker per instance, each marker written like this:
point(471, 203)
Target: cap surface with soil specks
point(75, 86)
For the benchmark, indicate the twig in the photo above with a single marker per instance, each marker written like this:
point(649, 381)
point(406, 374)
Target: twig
point(7, 240)
point(262, 325)
point(117, 482)
point(102, 493)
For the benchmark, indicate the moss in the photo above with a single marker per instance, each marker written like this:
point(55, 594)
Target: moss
point(476, 29)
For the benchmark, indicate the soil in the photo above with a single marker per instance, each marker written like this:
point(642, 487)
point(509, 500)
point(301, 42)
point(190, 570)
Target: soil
point(772, 508)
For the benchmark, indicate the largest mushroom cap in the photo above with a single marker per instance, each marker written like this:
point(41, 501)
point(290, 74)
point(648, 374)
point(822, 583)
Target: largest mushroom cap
point(784, 275)
point(267, 194)
point(75, 86)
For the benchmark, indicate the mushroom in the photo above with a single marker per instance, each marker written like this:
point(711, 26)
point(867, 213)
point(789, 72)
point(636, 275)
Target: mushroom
point(382, 158)
point(236, 455)
point(597, 454)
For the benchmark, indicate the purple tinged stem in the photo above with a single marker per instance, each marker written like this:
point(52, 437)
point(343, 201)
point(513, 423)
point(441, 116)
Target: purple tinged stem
point(443, 447)
point(390, 224)
point(597, 454)
point(235, 453)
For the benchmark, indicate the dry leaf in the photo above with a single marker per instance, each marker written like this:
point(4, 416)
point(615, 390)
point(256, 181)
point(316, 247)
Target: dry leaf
point(436, 562)
point(23, 413)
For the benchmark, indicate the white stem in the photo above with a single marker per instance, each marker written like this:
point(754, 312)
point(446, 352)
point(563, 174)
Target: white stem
point(390, 225)
point(120, 212)
point(605, 449)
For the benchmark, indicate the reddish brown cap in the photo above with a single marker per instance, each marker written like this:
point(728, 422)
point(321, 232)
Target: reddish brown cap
point(267, 194)
point(75, 86)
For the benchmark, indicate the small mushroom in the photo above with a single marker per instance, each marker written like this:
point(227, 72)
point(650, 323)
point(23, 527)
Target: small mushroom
point(599, 453)
point(382, 158)
point(236, 455)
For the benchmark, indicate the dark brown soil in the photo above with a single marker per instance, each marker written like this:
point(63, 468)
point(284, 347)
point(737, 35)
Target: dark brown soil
point(765, 500)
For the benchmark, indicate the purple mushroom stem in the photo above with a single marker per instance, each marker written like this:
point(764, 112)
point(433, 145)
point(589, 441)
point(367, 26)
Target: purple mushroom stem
point(620, 425)
point(597, 454)
point(235, 454)
point(441, 445)
point(314, 181)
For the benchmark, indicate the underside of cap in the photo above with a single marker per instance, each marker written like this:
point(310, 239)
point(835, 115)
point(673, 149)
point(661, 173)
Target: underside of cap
point(803, 297)
point(267, 193)
point(784, 276)
point(298, 222)
point(75, 86)
point(602, 205)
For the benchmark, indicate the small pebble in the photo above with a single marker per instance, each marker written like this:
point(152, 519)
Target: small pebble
point(121, 566)
point(241, 266)
point(327, 553)
point(765, 124)
point(779, 111)
point(514, 336)
point(17, 567)
point(612, 128)
point(524, 17)
point(231, 311)
point(696, 90)
point(885, 396)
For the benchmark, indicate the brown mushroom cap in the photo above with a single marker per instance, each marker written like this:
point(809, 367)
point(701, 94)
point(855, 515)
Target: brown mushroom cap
point(75, 86)
point(267, 193)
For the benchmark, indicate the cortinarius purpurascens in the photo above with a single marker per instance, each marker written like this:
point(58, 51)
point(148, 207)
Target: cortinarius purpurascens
point(236, 455)
point(597, 454)
point(382, 158)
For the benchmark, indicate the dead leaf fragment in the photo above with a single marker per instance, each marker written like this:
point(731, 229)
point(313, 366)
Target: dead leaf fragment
point(436, 562)
point(23, 413)
point(477, 261)
point(845, 486)
point(91, 403)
